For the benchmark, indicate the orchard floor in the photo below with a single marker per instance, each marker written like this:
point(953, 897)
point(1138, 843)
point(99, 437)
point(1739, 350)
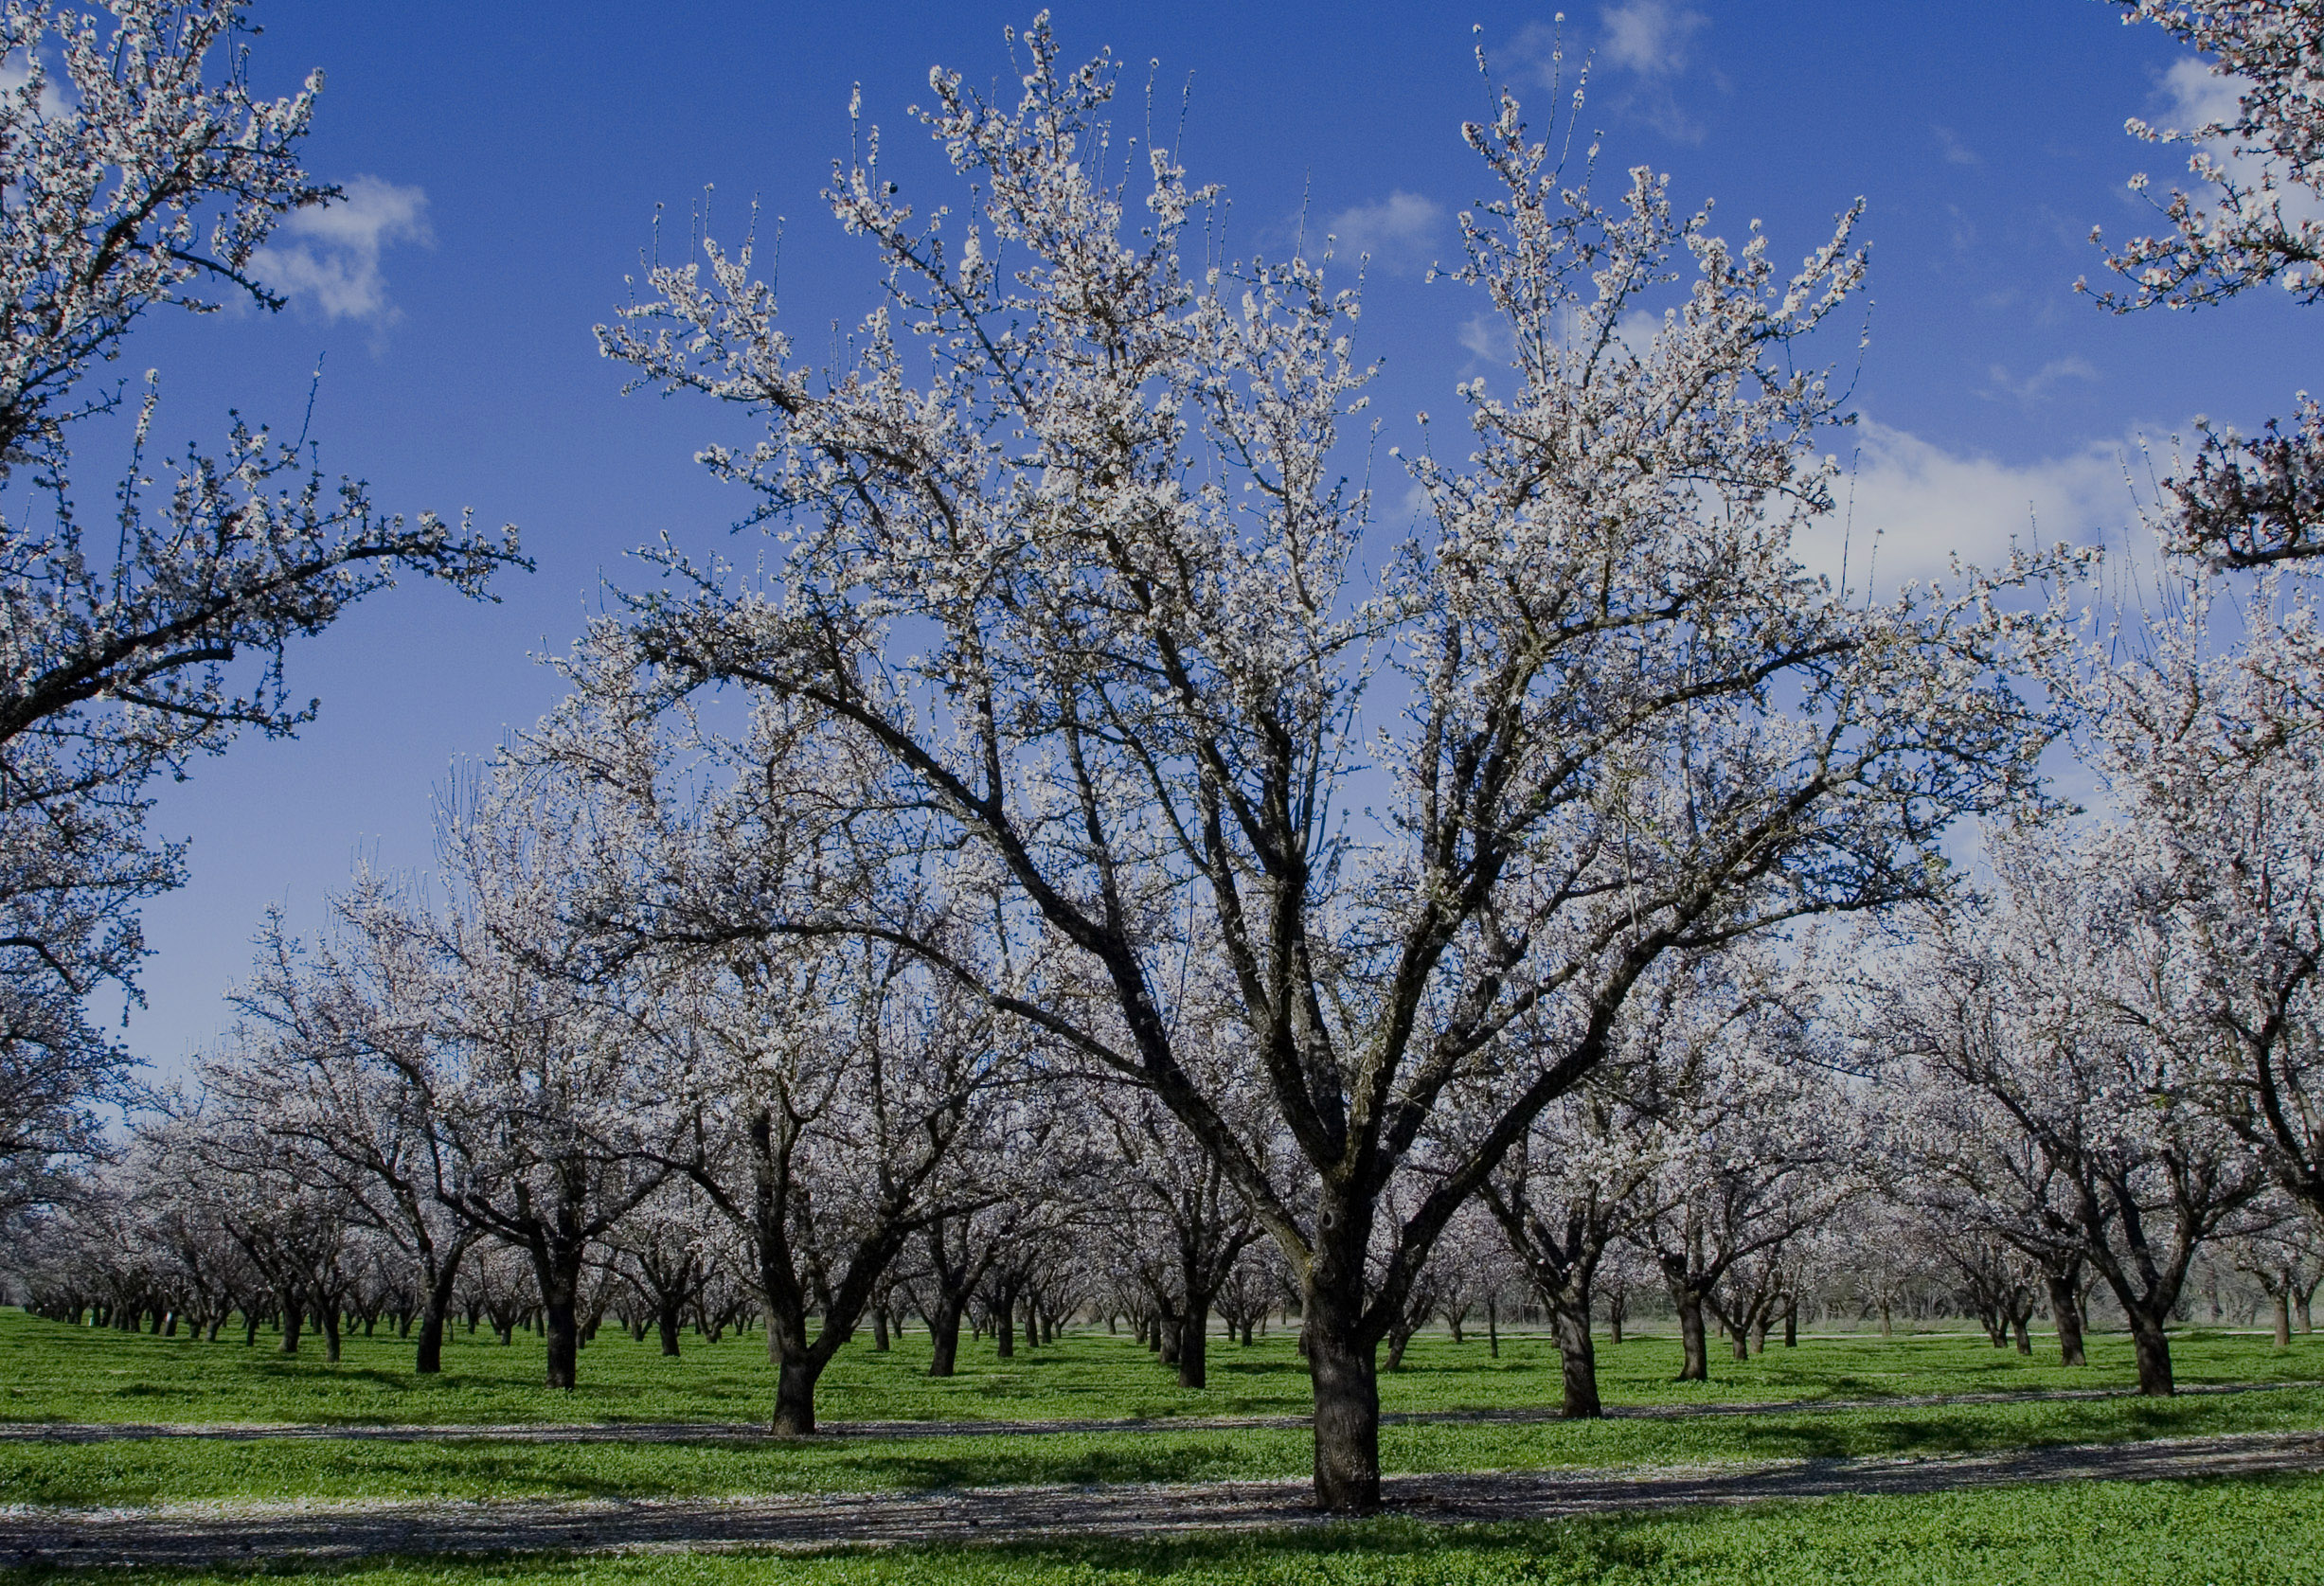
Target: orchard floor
point(170, 1453)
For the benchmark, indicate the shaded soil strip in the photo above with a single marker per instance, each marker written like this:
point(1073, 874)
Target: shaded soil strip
point(190, 1535)
point(752, 1432)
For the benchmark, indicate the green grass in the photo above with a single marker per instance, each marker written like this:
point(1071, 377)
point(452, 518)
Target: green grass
point(53, 1372)
point(2241, 1533)
point(177, 1471)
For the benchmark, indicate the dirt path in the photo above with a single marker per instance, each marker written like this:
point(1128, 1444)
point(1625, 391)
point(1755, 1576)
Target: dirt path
point(209, 1533)
point(750, 1432)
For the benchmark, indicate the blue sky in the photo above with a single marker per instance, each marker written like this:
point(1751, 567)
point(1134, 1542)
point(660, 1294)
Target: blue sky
point(506, 162)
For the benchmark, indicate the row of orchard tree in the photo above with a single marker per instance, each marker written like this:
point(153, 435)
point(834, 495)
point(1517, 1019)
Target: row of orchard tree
point(1082, 791)
point(1735, 1159)
point(454, 1111)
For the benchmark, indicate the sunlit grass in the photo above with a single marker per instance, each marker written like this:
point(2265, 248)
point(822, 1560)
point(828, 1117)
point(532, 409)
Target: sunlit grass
point(2249, 1533)
point(137, 1471)
point(53, 1372)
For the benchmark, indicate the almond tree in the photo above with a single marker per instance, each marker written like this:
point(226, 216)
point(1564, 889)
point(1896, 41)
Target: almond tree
point(2283, 1253)
point(1066, 541)
point(333, 1057)
point(2252, 220)
point(140, 170)
point(1594, 1170)
point(2021, 1010)
point(828, 1086)
point(1753, 1143)
point(1962, 1175)
point(2210, 737)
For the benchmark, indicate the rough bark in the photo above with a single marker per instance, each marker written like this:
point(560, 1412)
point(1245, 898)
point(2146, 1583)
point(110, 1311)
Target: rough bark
point(1343, 1367)
point(2065, 1310)
point(1695, 1353)
point(794, 1394)
point(1578, 1356)
point(944, 1336)
point(1194, 1346)
point(2152, 1348)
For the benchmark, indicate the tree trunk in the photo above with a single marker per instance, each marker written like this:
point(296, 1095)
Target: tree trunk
point(1194, 1346)
point(2152, 1348)
point(2017, 1325)
point(1578, 1355)
point(943, 1337)
point(1032, 1325)
point(794, 1394)
point(330, 1332)
point(1791, 1325)
point(1695, 1354)
point(2065, 1311)
point(1005, 1323)
point(2284, 1319)
point(563, 1332)
point(880, 1343)
point(428, 1359)
point(293, 1320)
point(1492, 1330)
point(670, 1321)
point(1345, 1373)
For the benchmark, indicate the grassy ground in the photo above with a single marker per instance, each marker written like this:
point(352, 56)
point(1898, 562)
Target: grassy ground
point(53, 1372)
point(270, 1469)
point(2248, 1532)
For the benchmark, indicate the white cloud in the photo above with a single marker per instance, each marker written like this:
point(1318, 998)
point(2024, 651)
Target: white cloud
point(2197, 97)
point(1485, 336)
point(1395, 231)
point(15, 71)
point(2036, 386)
point(333, 262)
point(2201, 97)
point(1956, 151)
point(1650, 36)
point(1911, 505)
